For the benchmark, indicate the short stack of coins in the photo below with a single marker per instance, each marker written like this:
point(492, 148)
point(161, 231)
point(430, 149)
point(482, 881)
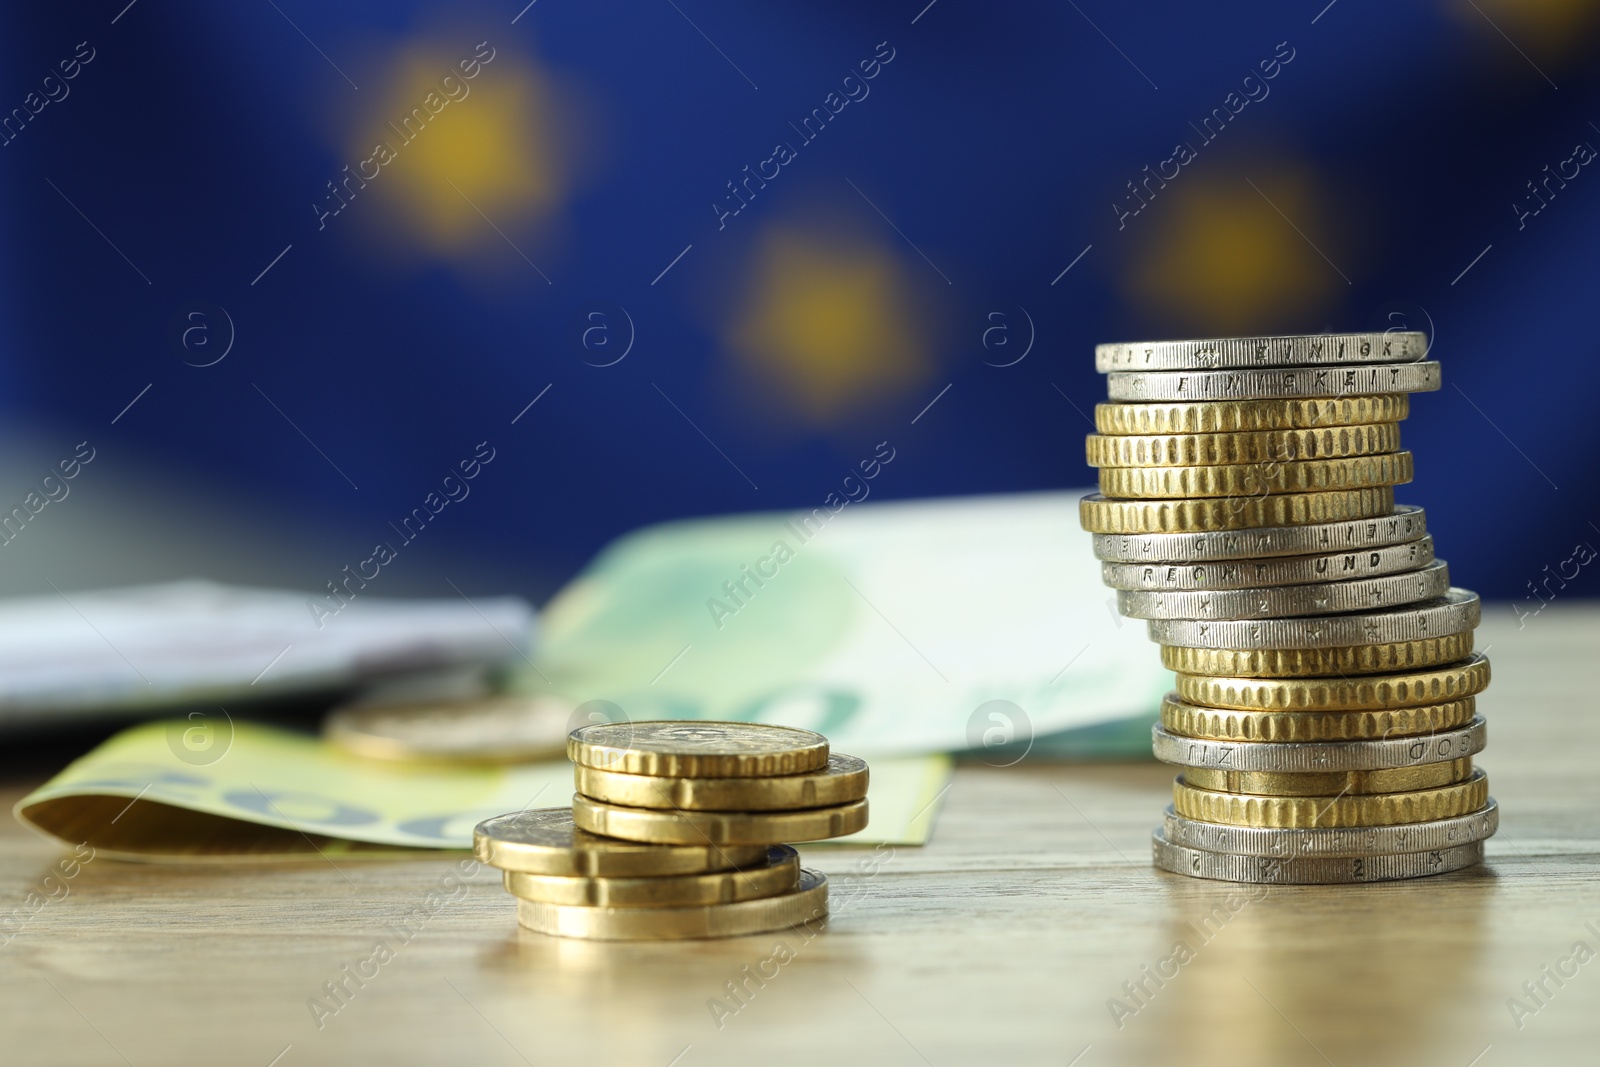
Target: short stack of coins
point(1325, 714)
point(675, 832)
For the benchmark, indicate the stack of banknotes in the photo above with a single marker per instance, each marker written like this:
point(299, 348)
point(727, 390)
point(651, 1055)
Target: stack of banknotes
point(1325, 715)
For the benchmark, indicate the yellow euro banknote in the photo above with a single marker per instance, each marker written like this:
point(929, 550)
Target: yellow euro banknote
point(260, 792)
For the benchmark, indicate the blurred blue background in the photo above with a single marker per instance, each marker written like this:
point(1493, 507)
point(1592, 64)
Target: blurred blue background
point(954, 229)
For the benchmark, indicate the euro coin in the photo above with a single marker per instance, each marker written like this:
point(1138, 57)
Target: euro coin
point(544, 841)
point(1227, 724)
point(1264, 573)
point(1378, 809)
point(778, 873)
point(808, 903)
point(1409, 689)
point(1246, 416)
point(1101, 515)
point(1369, 379)
point(1310, 870)
point(1349, 841)
point(843, 780)
point(698, 749)
point(1255, 479)
point(495, 729)
point(1457, 611)
point(1309, 350)
point(1401, 524)
point(717, 827)
point(1274, 446)
point(1274, 602)
point(1300, 757)
point(1382, 658)
point(1330, 783)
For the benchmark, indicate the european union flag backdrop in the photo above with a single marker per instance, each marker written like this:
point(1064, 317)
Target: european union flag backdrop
point(280, 268)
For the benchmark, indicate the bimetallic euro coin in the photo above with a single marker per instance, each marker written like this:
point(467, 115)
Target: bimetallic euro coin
point(1308, 870)
point(1401, 524)
point(1457, 611)
point(1323, 757)
point(1268, 573)
point(1308, 350)
point(1330, 783)
point(1368, 379)
point(1350, 841)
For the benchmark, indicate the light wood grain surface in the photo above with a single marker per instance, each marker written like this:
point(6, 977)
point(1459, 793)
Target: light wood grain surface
point(1001, 942)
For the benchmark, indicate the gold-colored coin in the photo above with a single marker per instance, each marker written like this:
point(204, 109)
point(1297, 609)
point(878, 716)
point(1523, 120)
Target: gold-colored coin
point(1255, 479)
point(1243, 416)
point(697, 749)
point(717, 827)
point(495, 729)
point(1099, 515)
point(544, 841)
point(844, 779)
point(808, 903)
point(1360, 693)
point(779, 873)
point(1314, 662)
point(1222, 724)
point(1378, 809)
point(1331, 783)
point(1266, 446)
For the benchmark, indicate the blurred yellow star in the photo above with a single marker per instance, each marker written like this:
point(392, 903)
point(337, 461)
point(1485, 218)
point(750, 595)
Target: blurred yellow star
point(829, 324)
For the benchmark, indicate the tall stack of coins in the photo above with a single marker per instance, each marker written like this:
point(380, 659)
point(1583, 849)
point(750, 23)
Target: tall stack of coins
point(1324, 714)
point(674, 832)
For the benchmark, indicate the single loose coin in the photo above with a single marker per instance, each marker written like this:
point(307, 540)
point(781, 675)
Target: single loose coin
point(1309, 870)
point(1255, 479)
point(1289, 382)
point(1408, 689)
point(844, 779)
point(1382, 658)
point(544, 841)
point(779, 873)
point(717, 827)
point(1404, 523)
point(1352, 841)
point(1378, 809)
point(1308, 350)
point(1321, 598)
point(698, 749)
point(1326, 757)
point(1330, 783)
point(807, 903)
point(1457, 611)
point(1099, 515)
point(1265, 573)
point(1267, 446)
point(1226, 724)
point(1238, 416)
point(495, 729)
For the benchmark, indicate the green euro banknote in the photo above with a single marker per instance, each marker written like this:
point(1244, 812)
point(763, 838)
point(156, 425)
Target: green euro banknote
point(257, 792)
point(905, 627)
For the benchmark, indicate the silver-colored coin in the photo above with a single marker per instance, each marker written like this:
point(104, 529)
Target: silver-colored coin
point(1327, 756)
point(1310, 870)
point(1289, 382)
point(1344, 841)
point(1267, 573)
point(1456, 612)
point(1406, 524)
point(1308, 350)
point(1319, 598)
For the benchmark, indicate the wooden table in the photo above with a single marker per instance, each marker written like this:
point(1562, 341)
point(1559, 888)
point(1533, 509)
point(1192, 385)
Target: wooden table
point(1002, 942)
